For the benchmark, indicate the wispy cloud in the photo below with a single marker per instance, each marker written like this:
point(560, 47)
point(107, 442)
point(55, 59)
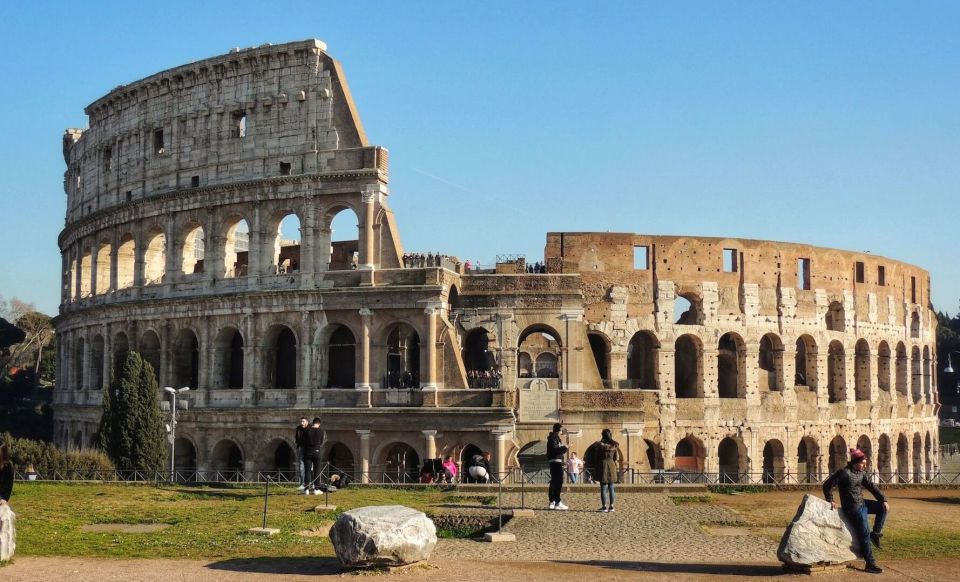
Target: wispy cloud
point(445, 181)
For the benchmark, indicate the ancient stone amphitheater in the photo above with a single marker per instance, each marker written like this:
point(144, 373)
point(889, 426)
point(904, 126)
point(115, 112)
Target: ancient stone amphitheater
point(199, 232)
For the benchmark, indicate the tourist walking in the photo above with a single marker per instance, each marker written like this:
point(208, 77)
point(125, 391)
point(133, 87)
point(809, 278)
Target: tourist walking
point(313, 440)
point(555, 452)
point(609, 459)
point(574, 466)
point(299, 439)
point(851, 481)
point(6, 475)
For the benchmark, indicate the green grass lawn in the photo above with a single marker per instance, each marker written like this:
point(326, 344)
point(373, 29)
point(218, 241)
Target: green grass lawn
point(205, 522)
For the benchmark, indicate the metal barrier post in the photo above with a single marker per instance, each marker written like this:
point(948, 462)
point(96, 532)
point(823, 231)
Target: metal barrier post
point(266, 495)
point(500, 503)
point(523, 482)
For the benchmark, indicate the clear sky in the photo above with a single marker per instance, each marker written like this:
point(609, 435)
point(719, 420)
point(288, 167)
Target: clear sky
point(834, 124)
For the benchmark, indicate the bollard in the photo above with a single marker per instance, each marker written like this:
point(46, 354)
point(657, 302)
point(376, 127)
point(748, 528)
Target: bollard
point(266, 495)
point(500, 504)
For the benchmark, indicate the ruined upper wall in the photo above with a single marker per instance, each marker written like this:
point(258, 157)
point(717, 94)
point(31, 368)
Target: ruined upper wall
point(256, 113)
point(607, 259)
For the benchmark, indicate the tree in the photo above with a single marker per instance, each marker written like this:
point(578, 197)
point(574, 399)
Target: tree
point(10, 335)
point(131, 427)
point(38, 329)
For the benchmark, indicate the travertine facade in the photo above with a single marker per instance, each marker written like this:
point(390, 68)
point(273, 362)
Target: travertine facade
point(787, 355)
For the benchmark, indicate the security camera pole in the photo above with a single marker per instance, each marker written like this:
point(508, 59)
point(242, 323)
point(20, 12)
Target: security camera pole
point(173, 392)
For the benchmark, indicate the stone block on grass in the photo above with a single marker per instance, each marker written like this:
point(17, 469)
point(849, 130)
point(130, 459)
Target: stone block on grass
point(8, 532)
point(387, 535)
point(817, 535)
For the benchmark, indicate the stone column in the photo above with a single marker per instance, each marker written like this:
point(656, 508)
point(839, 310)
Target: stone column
point(114, 259)
point(173, 259)
point(370, 198)
point(139, 262)
point(306, 357)
point(321, 252)
point(634, 450)
point(364, 455)
point(255, 250)
point(94, 259)
point(429, 382)
point(500, 454)
point(363, 386)
point(430, 436)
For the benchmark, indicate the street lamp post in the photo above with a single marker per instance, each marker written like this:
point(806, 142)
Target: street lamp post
point(949, 368)
point(173, 392)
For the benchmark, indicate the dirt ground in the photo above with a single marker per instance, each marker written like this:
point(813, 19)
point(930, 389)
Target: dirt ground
point(29, 569)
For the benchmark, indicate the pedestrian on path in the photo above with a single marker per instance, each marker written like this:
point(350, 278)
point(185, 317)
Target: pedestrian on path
point(609, 460)
point(555, 452)
point(852, 480)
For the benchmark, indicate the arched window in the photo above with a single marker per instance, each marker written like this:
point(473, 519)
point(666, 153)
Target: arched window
point(86, 267)
point(902, 372)
point(838, 453)
point(773, 462)
point(836, 373)
point(642, 360)
point(96, 363)
point(808, 455)
point(806, 363)
point(228, 369)
point(927, 376)
point(883, 366)
point(155, 257)
point(403, 357)
point(861, 370)
point(193, 249)
point(916, 375)
point(600, 348)
point(731, 365)
point(281, 358)
point(914, 325)
point(342, 358)
point(79, 353)
point(771, 363)
point(236, 250)
point(286, 245)
point(476, 350)
point(689, 455)
point(344, 240)
point(543, 347)
point(126, 261)
point(186, 360)
point(687, 367)
point(884, 465)
point(547, 365)
point(524, 365)
point(835, 317)
point(150, 352)
point(102, 285)
point(687, 309)
point(121, 347)
point(903, 459)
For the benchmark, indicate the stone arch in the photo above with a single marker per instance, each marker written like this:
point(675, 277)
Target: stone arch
point(86, 272)
point(770, 362)
point(836, 373)
point(285, 237)
point(732, 459)
point(184, 454)
point(689, 455)
point(774, 464)
point(186, 359)
point(532, 459)
point(126, 262)
point(150, 351)
point(403, 356)
point(861, 370)
point(191, 260)
point(808, 460)
point(654, 455)
point(835, 318)
point(864, 444)
point(838, 453)
point(600, 348)
point(462, 455)
point(883, 366)
point(927, 376)
point(79, 353)
point(915, 325)
point(916, 375)
point(903, 458)
point(228, 358)
point(281, 357)
point(155, 257)
point(476, 352)
point(104, 252)
point(538, 340)
point(884, 465)
point(688, 309)
point(236, 249)
point(96, 362)
point(688, 367)
point(341, 368)
point(731, 366)
point(643, 360)
point(400, 462)
point(806, 363)
point(279, 456)
point(343, 223)
point(902, 363)
point(340, 458)
point(227, 458)
point(121, 347)
point(928, 456)
point(524, 365)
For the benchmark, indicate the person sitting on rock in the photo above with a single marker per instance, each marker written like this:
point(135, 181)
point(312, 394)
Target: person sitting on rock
point(852, 480)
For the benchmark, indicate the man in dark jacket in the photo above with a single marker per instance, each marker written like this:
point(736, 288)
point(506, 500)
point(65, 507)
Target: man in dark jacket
point(299, 438)
point(555, 451)
point(313, 439)
point(852, 480)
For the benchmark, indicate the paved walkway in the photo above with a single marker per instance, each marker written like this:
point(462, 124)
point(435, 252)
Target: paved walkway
point(645, 527)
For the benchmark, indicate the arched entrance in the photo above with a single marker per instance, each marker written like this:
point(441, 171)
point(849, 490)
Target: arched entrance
point(773, 462)
point(533, 462)
point(543, 346)
point(466, 454)
point(342, 358)
point(838, 453)
point(184, 457)
point(917, 458)
point(227, 461)
point(689, 457)
point(642, 360)
point(808, 460)
point(884, 464)
point(340, 459)
point(401, 464)
point(731, 363)
point(654, 455)
point(186, 360)
point(150, 351)
point(687, 365)
point(903, 459)
point(863, 443)
point(600, 348)
point(281, 365)
point(732, 461)
point(403, 357)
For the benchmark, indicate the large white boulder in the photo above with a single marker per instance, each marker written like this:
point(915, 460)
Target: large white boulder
point(383, 534)
point(8, 532)
point(817, 535)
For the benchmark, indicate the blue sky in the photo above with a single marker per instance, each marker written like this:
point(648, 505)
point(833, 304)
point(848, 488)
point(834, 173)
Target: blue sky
point(834, 125)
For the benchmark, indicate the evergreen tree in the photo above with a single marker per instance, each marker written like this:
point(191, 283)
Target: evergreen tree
point(131, 427)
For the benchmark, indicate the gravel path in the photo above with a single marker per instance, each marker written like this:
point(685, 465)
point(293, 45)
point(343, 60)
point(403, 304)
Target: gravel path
point(645, 527)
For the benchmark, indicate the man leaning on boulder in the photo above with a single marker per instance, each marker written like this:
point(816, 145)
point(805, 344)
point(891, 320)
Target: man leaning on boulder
point(852, 480)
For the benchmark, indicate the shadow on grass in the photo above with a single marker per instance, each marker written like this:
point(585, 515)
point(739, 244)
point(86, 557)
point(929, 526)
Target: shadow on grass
point(947, 500)
point(286, 566)
point(758, 570)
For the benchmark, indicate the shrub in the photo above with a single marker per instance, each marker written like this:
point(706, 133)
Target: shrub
point(131, 427)
point(47, 460)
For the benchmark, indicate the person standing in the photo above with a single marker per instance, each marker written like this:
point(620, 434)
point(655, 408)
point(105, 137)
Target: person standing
point(555, 451)
point(313, 440)
point(574, 466)
point(299, 439)
point(851, 481)
point(609, 459)
point(6, 475)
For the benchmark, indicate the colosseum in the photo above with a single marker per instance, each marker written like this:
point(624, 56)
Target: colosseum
point(728, 359)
